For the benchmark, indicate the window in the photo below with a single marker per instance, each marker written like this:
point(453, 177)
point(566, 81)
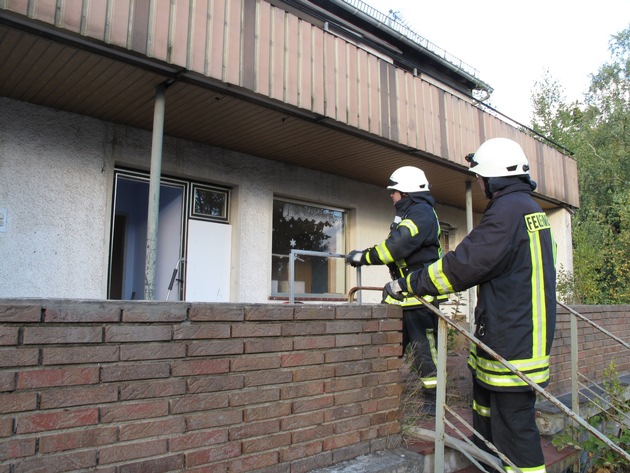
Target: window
point(308, 227)
point(210, 203)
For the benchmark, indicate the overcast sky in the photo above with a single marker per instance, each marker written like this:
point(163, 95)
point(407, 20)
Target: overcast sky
point(511, 44)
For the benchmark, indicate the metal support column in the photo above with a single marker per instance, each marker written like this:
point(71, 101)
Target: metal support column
point(154, 191)
point(472, 292)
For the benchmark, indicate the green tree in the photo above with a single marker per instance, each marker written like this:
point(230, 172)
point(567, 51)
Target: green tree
point(598, 132)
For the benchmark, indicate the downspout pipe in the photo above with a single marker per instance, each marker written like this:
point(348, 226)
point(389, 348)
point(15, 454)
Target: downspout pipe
point(154, 189)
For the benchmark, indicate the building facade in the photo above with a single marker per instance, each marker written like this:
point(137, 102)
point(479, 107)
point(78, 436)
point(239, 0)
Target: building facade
point(181, 150)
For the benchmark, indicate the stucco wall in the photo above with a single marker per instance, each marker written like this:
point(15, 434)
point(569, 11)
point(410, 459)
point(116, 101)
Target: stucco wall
point(56, 178)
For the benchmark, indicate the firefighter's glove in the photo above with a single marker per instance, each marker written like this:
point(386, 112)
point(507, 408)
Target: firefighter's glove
point(355, 258)
point(395, 289)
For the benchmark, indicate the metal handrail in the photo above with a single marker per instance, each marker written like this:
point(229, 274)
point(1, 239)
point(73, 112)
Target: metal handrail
point(443, 321)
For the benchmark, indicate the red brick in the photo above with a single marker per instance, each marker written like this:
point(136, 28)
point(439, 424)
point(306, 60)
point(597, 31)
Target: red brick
point(143, 390)
point(14, 357)
point(78, 355)
point(59, 335)
point(77, 396)
point(83, 311)
point(152, 351)
point(353, 311)
point(214, 418)
point(253, 396)
point(248, 330)
point(313, 462)
point(301, 390)
point(314, 343)
point(268, 345)
point(351, 397)
point(200, 367)
point(137, 333)
point(6, 427)
point(313, 372)
point(216, 312)
point(391, 350)
point(78, 439)
point(302, 450)
point(57, 377)
point(216, 347)
point(131, 451)
point(343, 384)
point(170, 425)
point(251, 363)
point(254, 429)
point(353, 340)
point(307, 312)
point(312, 433)
point(137, 410)
point(63, 462)
point(313, 403)
point(18, 402)
point(157, 465)
point(191, 440)
point(343, 354)
point(351, 425)
point(268, 378)
point(342, 412)
point(253, 462)
point(12, 313)
point(303, 328)
point(269, 312)
point(144, 311)
point(267, 442)
point(268, 411)
point(7, 381)
point(343, 440)
point(43, 421)
point(300, 421)
point(370, 326)
point(214, 454)
point(302, 358)
point(128, 371)
point(345, 326)
point(17, 448)
point(9, 335)
point(390, 325)
point(199, 402)
point(214, 383)
point(348, 369)
point(201, 330)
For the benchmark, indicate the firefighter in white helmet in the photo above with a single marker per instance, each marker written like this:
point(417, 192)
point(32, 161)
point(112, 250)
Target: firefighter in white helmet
point(412, 243)
point(510, 256)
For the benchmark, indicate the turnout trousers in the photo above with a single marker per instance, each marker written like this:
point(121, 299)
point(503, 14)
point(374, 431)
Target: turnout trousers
point(507, 419)
point(420, 332)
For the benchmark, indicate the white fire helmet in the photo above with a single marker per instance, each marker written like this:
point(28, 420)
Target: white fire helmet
point(408, 179)
point(498, 157)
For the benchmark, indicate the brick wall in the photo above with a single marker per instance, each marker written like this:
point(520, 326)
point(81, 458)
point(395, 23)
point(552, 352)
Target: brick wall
point(123, 387)
point(596, 349)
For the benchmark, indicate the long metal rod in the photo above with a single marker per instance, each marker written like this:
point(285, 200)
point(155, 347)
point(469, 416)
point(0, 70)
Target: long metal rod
point(440, 395)
point(154, 191)
point(529, 382)
point(472, 292)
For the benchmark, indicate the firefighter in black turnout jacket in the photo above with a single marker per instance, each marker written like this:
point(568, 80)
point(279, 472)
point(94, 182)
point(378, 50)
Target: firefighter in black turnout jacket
point(412, 243)
point(510, 256)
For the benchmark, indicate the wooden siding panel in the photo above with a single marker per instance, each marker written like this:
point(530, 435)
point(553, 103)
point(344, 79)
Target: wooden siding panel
point(341, 80)
point(291, 67)
point(119, 22)
point(232, 56)
point(70, 16)
point(352, 87)
point(304, 65)
point(330, 77)
point(43, 11)
point(21, 7)
point(159, 33)
point(318, 71)
point(140, 29)
point(277, 54)
point(262, 49)
point(402, 106)
point(362, 92)
point(418, 113)
point(374, 104)
point(178, 36)
point(197, 48)
point(216, 46)
point(96, 16)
